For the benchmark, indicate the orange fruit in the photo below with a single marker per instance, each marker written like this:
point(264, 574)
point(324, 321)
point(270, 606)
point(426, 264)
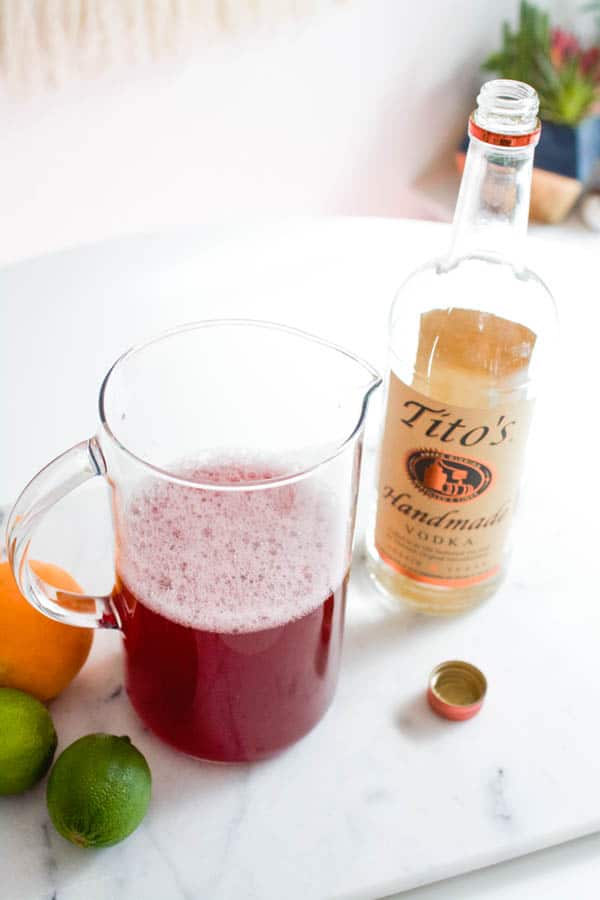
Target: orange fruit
point(38, 654)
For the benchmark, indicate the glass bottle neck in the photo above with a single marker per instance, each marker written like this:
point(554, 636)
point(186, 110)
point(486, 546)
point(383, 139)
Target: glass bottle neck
point(493, 204)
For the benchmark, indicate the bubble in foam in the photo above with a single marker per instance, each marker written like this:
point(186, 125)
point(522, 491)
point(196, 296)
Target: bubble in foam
point(242, 560)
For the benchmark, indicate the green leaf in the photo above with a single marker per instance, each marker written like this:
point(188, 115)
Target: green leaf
point(566, 94)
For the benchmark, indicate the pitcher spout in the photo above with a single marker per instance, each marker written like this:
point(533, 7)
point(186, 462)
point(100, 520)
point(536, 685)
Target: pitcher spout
point(373, 380)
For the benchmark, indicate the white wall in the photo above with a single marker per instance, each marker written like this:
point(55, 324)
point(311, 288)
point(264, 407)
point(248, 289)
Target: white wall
point(334, 114)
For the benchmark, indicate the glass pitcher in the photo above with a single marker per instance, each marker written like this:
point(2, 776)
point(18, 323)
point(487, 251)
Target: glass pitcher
point(232, 450)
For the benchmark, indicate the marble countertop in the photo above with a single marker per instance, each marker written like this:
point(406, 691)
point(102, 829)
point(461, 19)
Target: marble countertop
point(382, 796)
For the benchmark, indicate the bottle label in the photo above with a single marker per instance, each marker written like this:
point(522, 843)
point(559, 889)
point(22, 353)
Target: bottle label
point(447, 487)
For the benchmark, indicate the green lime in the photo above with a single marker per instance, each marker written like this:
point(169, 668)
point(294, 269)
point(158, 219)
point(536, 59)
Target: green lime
point(27, 741)
point(98, 790)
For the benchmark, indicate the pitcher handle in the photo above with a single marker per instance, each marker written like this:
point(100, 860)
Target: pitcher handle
point(65, 473)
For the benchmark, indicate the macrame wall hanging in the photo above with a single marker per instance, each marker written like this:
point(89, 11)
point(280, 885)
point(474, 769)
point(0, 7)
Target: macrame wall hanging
point(50, 41)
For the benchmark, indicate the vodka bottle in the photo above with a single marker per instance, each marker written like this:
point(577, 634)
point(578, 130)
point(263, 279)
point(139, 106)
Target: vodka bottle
point(468, 336)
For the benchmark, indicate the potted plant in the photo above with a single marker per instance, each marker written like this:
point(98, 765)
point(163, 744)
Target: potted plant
point(566, 76)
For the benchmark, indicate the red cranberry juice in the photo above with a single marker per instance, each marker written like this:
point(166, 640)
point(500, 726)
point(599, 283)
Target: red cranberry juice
point(233, 610)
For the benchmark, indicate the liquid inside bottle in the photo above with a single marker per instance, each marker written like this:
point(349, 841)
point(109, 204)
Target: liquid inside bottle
point(468, 334)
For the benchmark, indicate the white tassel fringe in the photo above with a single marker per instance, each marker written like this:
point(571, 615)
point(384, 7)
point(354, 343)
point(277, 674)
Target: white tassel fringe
point(45, 41)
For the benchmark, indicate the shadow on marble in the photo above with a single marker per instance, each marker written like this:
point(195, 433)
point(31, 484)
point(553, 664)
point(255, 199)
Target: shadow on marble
point(374, 618)
point(370, 638)
point(417, 721)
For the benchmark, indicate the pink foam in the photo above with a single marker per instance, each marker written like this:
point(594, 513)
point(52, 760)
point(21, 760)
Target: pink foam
point(232, 561)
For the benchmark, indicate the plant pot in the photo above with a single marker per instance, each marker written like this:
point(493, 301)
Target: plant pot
point(570, 151)
point(564, 160)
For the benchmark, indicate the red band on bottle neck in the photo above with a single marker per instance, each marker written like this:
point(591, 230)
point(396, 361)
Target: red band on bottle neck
point(503, 140)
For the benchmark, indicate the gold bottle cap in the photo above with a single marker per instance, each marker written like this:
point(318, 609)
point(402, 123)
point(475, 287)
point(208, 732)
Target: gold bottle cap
point(456, 690)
